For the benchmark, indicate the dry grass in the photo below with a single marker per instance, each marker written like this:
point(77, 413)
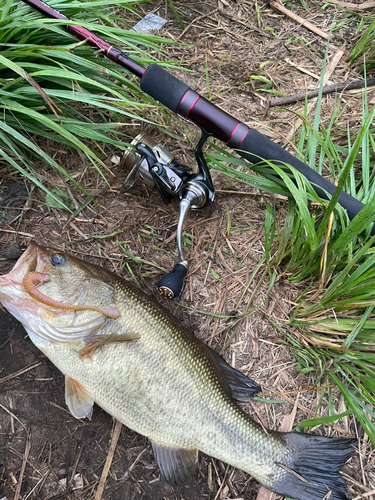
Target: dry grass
point(234, 41)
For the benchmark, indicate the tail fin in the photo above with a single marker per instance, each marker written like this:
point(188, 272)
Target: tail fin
point(314, 470)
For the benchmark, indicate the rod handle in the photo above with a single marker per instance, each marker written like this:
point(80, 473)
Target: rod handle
point(163, 86)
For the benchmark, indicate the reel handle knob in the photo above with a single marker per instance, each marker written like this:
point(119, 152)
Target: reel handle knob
point(171, 284)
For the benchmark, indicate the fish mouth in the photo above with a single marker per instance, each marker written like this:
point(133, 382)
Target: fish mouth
point(25, 264)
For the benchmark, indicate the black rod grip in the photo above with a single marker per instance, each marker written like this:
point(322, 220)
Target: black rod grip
point(256, 147)
point(163, 86)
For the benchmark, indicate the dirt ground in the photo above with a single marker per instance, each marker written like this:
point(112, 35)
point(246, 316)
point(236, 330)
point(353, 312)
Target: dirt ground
point(44, 452)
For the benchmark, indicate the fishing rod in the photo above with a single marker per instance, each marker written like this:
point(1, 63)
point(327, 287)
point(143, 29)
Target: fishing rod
point(196, 190)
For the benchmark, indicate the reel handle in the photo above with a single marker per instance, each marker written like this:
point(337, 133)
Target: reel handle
point(157, 168)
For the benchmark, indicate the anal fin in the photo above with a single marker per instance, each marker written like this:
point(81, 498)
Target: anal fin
point(175, 464)
point(78, 400)
point(98, 341)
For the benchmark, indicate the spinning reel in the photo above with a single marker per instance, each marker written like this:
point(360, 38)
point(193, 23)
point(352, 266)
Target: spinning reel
point(154, 166)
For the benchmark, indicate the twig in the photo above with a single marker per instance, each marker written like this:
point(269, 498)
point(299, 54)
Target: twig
point(330, 68)
point(23, 466)
point(13, 478)
point(354, 6)
point(11, 417)
point(41, 480)
point(18, 454)
point(280, 7)
point(327, 89)
point(281, 370)
point(19, 372)
point(12, 414)
point(70, 482)
point(288, 420)
point(28, 235)
point(108, 462)
point(221, 483)
point(357, 483)
point(230, 486)
point(302, 70)
point(367, 494)
point(194, 21)
point(129, 470)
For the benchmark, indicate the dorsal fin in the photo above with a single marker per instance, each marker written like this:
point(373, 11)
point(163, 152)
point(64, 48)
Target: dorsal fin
point(240, 387)
point(78, 400)
point(175, 464)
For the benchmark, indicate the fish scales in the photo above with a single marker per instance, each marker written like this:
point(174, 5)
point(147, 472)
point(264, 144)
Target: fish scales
point(119, 348)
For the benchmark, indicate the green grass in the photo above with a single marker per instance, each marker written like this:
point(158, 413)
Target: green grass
point(4, 343)
point(328, 256)
point(363, 35)
point(364, 49)
point(54, 88)
point(334, 258)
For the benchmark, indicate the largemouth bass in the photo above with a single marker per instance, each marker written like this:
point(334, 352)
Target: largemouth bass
point(125, 352)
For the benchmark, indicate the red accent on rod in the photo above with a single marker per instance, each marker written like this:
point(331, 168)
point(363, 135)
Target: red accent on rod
point(231, 135)
point(92, 39)
point(192, 106)
point(182, 100)
point(242, 138)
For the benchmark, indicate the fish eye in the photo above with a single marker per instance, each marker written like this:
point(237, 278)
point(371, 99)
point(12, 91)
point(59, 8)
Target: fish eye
point(58, 259)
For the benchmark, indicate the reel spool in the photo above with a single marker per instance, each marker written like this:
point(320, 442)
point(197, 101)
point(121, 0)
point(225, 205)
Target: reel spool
point(152, 164)
point(136, 165)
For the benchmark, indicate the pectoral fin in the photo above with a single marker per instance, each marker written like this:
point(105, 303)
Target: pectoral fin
point(78, 400)
point(239, 386)
point(99, 341)
point(175, 464)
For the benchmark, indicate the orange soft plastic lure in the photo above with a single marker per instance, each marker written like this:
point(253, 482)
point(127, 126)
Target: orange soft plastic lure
point(33, 279)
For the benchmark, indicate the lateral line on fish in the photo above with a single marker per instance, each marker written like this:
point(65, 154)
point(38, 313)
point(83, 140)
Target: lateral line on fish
point(33, 279)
